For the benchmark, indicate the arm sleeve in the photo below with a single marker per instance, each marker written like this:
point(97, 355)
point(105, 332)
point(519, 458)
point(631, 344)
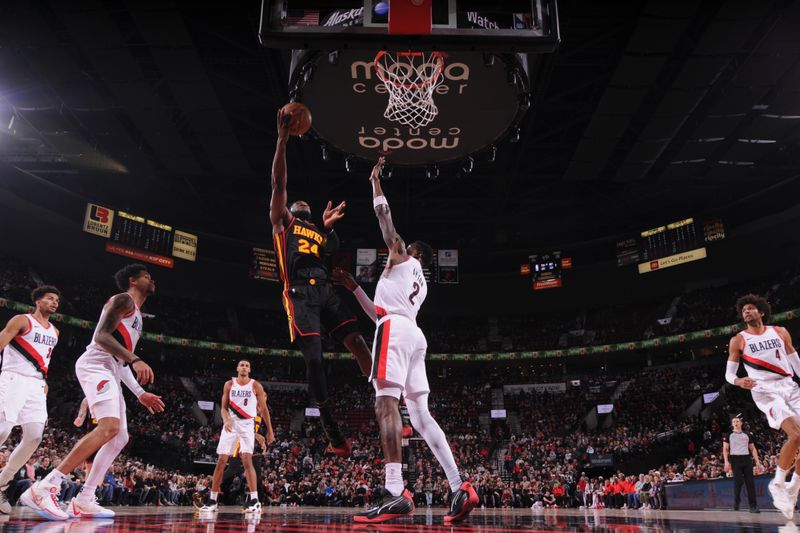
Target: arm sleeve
point(366, 303)
point(130, 381)
point(730, 371)
point(794, 360)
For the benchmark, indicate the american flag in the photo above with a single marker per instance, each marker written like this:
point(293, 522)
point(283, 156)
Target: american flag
point(302, 17)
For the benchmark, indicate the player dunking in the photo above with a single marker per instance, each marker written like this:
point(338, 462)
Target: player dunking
point(26, 343)
point(770, 360)
point(242, 399)
point(309, 299)
point(100, 370)
point(398, 368)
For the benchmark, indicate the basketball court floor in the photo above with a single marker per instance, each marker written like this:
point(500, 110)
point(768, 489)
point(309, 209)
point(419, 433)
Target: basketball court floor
point(330, 520)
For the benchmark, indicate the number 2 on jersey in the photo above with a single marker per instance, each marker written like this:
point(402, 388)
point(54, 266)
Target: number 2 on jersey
point(308, 248)
point(414, 293)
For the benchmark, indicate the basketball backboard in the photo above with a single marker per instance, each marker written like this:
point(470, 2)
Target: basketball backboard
point(422, 82)
point(481, 25)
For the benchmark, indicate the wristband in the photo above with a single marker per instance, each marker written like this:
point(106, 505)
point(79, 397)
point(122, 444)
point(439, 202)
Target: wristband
point(135, 360)
point(379, 200)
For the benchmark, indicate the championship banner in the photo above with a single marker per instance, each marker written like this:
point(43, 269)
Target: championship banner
point(184, 246)
point(132, 253)
point(673, 260)
point(448, 275)
point(264, 265)
point(98, 220)
point(366, 265)
point(448, 258)
point(448, 266)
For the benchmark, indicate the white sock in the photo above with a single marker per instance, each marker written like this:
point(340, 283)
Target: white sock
point(454, 479)
point(795, 478)
point(780, 475)
point(253, 495)
point(55, 477)
point(394, 478)
point(87, 493)
point(214, 495)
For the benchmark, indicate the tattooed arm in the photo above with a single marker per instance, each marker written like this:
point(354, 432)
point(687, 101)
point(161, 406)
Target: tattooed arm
point(116, 309)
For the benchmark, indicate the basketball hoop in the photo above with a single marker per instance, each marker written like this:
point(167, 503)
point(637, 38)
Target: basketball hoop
point(410, 79)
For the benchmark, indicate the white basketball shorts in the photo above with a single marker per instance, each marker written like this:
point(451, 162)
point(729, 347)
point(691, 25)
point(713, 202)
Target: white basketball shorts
point(243, 434)
point(22, 399)
point(98, 376)
point(398, 356)
point(778, 399)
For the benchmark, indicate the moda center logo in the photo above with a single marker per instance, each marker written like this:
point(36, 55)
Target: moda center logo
point(98, 220)
point(387, 140)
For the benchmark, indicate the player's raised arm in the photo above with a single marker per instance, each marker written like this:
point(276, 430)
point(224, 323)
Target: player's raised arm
point(118, 307)
point(263, 410)
point(17, 325)
point(226, 417)
point(397, 248)
point(278, 211)
point(734, 355)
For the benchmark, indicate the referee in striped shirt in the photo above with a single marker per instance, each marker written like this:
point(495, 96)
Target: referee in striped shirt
point(737, 447)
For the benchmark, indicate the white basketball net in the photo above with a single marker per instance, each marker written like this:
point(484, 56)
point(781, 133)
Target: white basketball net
point(411, 79)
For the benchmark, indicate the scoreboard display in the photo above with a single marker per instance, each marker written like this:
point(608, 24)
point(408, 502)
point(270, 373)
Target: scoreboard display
point(671, 239)
point(679, 242)
point(142, 234)
point(546, 271)
point(139, 238)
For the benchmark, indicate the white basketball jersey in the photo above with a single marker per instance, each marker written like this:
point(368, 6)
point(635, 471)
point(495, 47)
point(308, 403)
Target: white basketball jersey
point(128, 332)
point(29, 353)
point(242, 400)
point(401, 290)
point(764, 356)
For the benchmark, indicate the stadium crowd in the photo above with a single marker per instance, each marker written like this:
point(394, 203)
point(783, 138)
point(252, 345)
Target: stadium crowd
point(541, 458)
point(547, 461)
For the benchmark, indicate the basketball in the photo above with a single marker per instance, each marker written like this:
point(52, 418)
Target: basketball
point(300, 122)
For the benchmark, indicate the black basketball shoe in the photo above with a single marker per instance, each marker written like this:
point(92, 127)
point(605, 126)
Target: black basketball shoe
point(464, 501)
point(388, 508)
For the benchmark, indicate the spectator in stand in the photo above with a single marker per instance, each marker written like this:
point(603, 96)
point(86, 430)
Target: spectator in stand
point(559, 494)
point(644, 492)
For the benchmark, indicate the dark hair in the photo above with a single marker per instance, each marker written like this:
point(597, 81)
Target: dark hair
point(427, 252)
point(759, 302)
point(123, 275)
point(39, 292)
point(245, 360)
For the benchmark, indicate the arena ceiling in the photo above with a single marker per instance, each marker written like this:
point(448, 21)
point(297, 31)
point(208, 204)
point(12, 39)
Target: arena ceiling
point(649, 112)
